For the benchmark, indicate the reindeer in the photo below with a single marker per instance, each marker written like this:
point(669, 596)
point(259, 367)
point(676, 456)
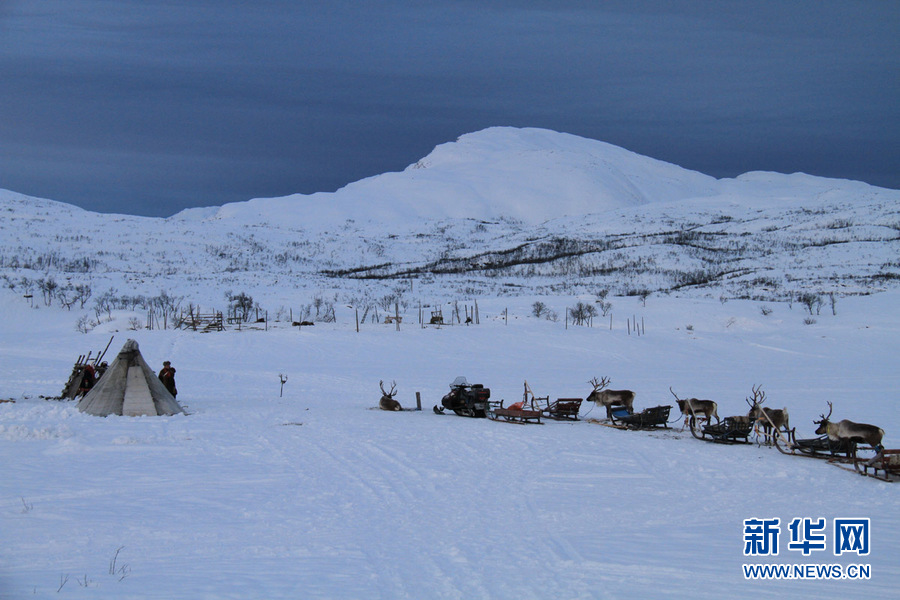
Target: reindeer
point(608, 398)
point(770, 419)
point(692, 407)
point(387, 401)
point(849, 431)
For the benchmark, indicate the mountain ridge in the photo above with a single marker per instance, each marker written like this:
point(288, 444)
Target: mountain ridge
point(666, 229)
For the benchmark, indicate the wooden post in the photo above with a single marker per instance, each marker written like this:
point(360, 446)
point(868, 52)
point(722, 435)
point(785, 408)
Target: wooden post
point(418, 401)
point(357, 320)
point(397, 314)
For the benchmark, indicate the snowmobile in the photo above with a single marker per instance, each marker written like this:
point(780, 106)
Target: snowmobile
point(465, 400)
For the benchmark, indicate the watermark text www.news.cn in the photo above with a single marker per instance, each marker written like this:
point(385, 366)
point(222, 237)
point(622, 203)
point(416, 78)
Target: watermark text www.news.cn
point(807, 537)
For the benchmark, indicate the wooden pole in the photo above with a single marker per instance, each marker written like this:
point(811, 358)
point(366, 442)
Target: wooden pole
point(418, 401)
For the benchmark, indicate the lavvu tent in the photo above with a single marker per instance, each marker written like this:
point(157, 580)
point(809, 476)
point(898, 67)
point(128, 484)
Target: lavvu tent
point(129, 387)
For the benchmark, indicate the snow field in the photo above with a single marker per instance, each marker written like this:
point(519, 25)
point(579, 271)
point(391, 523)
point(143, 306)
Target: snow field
point(317, 494)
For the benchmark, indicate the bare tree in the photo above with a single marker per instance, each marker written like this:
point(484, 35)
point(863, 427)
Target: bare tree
point(240, 305)
point(810, 301)
point(582, 313)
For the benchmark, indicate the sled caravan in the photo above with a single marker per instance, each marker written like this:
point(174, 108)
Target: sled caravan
point(130, 388)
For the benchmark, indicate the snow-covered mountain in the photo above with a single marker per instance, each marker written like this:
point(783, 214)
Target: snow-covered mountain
point(501, 210)
point(528, 175)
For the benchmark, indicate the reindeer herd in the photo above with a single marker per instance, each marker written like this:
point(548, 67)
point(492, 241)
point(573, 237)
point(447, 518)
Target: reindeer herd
point(767, 422)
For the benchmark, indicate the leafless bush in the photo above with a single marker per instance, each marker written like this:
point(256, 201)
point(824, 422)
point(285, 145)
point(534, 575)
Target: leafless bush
point(84, 324)
point(811, 302)
point(582, 313)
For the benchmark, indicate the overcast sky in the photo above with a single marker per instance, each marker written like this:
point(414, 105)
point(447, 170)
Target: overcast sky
point(148, 107)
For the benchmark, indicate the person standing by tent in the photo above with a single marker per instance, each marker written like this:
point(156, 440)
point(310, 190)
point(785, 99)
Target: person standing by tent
point(167, 376)
point(88, 379)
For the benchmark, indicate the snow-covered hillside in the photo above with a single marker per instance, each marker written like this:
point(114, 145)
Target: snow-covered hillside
point(527, 175)
point(484, 215)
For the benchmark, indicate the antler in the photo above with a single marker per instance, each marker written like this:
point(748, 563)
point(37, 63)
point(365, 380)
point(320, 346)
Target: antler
point(830, 409)
point(599, 384)
point(390, 394)
point(673, 393)
point(758, 397)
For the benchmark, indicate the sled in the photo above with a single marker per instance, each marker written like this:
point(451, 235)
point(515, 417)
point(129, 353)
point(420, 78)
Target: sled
point(515, 413)
point(732, 430)
point(562, 409)
point(885, 466)
point(819, 447)
point(649, 418)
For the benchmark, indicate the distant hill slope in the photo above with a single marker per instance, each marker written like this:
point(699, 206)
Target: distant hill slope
point(529, 175)
point(524, 211)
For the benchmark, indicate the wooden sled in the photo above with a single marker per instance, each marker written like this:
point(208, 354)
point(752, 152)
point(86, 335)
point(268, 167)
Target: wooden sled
point(513, 413)
point(649, 418)
point(732, 430)
point(819, 447)
point(884, 466)
point(887, 462)
point(562, 409)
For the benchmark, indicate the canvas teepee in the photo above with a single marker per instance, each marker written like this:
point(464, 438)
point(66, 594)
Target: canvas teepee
point(129, 387)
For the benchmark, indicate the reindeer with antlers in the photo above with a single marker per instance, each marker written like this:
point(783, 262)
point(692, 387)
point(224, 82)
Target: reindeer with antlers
point(691, 407)
point(849, 431)
point(387, 401)
point(771, 420)
point(608, 398)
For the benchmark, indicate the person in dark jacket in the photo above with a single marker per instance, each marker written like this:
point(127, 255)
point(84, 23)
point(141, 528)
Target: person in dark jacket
point(167, 376)
point(88, 379)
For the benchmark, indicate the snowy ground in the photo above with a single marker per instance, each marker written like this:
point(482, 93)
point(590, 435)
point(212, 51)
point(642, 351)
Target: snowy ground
point(317, 495)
